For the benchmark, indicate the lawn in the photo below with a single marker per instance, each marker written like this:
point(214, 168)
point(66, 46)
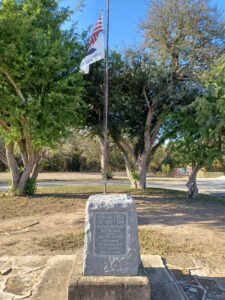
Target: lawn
point(52, 221)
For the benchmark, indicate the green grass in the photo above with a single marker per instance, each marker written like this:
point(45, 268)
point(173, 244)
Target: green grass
point(167, 193)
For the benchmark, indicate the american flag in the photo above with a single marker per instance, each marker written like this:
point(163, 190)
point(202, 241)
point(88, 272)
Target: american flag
point(98, 28)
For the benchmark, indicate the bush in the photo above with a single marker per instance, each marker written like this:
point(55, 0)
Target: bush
point(30, 187)
point(165, 169)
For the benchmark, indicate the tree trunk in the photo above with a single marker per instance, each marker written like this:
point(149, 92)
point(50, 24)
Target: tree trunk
point(192, 192)
point(3, 157)
point(40, 155)
point(12, 165)
point(133, 182)
point(136, 169)
point(142, 170)
point(25, 176)
point(142, 178)
point(30, 160)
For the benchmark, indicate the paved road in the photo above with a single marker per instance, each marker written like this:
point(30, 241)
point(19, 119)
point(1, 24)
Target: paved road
point(207, 186)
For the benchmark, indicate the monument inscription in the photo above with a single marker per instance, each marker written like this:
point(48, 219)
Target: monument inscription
point(110, 234)
point(111, 246)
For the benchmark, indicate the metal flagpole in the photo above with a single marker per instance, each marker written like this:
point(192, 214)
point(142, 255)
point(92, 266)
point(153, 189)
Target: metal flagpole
point(106, 102)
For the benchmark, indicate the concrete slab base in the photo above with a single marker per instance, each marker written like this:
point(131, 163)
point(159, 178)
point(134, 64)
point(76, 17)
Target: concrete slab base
point(47, 278)
point(106, 287)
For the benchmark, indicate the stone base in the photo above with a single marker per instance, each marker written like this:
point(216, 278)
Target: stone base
point(106, 287)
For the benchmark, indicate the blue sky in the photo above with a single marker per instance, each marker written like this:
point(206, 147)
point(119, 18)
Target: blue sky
point(124, 18)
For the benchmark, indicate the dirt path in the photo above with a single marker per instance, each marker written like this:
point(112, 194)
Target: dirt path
point(188, 228)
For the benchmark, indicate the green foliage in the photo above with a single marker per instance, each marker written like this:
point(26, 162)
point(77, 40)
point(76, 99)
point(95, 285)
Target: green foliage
point(201, 137)
point(128, 107)
point(134, 173)
point(165, 169)
point(160, 157)
point(17, 191)
point(94, 93)
point(80, 153)
point(116, 161)
point(43, 61)
point(30, 187)
point(109, 175)
point(40, 82)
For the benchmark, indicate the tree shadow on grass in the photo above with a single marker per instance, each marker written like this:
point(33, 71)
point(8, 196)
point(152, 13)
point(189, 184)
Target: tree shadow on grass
point(156, 211)
point(63, 196)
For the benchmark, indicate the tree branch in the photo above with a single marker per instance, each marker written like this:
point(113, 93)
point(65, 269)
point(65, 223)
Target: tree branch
point(23, 152)
point(127, 147)
point(3, 159)
point(156, 131)
point(123, 152)
point(18, 91)
point(4, 126)
point(28, 143)
point(29, 149)
point(146, 98)
point(127, 161)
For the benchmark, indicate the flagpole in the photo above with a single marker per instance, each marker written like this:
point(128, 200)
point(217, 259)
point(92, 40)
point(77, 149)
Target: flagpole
point(106, 102)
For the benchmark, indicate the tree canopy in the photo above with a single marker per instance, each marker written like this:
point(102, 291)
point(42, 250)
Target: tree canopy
point(200, 138)
point(184, 34)
point(40, 89)
point(182, 38)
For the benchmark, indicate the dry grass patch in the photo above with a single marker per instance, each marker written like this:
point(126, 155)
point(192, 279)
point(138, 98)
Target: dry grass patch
point(151, 242)
point(157, 243)
point(67, 199)
point(63, 242)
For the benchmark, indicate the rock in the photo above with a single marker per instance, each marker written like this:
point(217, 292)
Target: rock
point(193, 290)
point(22, 284)
point(193, 293)
point(201, 272)
point(30, 261)
point(181, 262)
point(53, 282)
point(182, 275)
point(111, 236)
point(215, 296)
point(6, 268)
point(4, 296)
point(209, 285)
point(221, 283)
point(3, 260)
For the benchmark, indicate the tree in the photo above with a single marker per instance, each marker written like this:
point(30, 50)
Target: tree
point(40, 84)
point(181, 39)
point(201, 136)
point(139, 105)
point(184, 34)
